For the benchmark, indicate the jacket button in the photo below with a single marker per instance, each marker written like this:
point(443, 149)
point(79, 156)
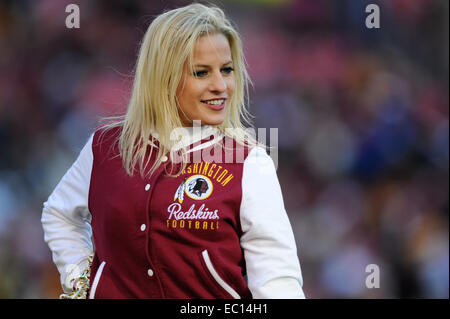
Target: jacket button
point(164, 158)
point(147, 187)
point(150, 272)
point(143, 227)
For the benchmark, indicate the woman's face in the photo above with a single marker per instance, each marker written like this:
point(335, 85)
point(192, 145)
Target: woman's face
point(206, 93)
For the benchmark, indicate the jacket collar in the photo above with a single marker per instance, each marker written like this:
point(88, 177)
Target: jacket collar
point(193, 138)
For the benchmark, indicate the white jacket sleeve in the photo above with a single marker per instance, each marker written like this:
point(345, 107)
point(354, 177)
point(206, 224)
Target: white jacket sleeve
point(273, 268)
point(66, 219)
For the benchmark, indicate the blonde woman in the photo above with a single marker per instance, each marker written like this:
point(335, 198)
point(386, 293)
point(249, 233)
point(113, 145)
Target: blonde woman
point(148, 213)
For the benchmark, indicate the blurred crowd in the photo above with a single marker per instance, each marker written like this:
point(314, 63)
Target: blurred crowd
point(362, 118)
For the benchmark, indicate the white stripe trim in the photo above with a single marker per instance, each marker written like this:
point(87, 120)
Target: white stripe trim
point(96, 280)
point(216, 276)
point(206, 144)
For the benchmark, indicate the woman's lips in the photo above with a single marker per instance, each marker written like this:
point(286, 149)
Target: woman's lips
point(216, 107)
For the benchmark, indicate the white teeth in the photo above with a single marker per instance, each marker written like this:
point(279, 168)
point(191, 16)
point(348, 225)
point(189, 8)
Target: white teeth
point(215, 102)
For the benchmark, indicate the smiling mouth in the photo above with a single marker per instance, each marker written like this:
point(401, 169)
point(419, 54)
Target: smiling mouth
point(217, 104)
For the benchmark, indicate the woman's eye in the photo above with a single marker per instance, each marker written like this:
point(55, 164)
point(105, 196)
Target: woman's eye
point(228, 70)
point(200, 73)
point(203, 73)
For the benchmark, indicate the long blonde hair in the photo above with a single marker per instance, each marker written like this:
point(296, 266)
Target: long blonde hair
point(153, 107)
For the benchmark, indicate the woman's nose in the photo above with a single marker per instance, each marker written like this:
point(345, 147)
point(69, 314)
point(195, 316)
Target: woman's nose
point(218, 83)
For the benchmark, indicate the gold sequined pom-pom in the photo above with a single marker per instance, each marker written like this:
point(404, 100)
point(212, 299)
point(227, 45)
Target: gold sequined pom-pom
point(80, 284)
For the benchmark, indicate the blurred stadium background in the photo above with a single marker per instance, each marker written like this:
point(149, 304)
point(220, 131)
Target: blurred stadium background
point(362, 117)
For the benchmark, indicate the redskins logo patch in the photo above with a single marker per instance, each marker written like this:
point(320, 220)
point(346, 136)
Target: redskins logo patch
point(198, 187)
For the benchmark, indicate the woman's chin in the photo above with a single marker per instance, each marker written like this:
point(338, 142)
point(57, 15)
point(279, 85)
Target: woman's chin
point(213, 121)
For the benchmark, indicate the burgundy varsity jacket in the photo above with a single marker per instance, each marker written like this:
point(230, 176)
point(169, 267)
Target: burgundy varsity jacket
point(218, 230)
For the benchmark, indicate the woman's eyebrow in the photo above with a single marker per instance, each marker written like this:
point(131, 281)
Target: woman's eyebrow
point(208, 66)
